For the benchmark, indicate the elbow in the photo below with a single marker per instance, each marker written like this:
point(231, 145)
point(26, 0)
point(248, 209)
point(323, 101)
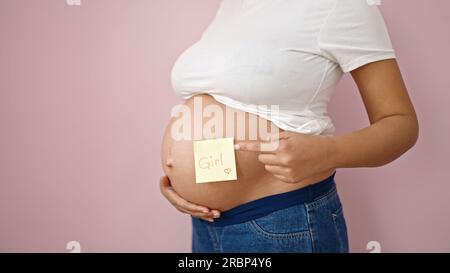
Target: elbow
point(413, 135)
point(408, 140)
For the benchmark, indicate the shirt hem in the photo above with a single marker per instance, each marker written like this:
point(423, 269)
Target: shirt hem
point(366, 60)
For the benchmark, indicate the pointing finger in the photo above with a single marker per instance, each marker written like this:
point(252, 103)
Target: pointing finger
point(257, 146)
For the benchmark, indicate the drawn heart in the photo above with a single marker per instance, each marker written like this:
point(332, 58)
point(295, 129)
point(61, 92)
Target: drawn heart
point(227, 170)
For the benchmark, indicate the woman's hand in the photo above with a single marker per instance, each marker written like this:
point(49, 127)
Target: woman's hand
point(292, 157)
point(185, 206)
point(393, 130)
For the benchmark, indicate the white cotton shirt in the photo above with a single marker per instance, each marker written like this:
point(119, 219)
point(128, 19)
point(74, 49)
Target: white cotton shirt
point(288, 53)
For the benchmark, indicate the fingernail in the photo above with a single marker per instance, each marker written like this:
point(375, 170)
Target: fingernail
point(216, 214)
point(211, 220)
point(236, 146)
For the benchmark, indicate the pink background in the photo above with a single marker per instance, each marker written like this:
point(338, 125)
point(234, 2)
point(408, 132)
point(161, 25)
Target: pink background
point(85, 94)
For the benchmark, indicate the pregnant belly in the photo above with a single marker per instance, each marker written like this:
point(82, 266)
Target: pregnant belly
point(253, 181)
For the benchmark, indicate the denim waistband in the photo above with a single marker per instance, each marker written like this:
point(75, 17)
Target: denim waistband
point(266, 205)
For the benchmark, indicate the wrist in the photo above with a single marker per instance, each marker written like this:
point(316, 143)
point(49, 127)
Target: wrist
point(332, 152)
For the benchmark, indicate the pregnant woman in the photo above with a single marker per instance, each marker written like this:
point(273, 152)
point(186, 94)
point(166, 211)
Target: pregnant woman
point(289, 54)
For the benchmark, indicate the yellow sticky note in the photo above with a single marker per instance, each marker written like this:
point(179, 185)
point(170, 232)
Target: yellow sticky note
point(214, 160)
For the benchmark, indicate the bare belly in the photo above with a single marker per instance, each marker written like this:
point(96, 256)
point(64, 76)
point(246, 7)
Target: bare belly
point(253, 180)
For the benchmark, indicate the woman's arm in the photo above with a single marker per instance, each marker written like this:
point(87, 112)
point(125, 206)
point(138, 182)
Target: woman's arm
point(393, 130)
point(394, 127)
point(184, 206)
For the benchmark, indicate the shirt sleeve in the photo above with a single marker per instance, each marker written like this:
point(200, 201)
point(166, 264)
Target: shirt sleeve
point(355, 34)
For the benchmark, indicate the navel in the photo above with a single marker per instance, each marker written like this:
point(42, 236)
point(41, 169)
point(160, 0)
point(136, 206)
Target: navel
point(169, 162)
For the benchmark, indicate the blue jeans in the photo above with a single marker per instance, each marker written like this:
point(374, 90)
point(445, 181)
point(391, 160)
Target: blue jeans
point(266, 225)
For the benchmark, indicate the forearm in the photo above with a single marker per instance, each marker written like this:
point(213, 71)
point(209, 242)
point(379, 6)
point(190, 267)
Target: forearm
point(376, 145)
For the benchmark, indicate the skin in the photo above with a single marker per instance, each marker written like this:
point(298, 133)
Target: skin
point(393, 130)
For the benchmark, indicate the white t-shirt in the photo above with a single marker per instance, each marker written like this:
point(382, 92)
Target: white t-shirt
point(289, 53)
